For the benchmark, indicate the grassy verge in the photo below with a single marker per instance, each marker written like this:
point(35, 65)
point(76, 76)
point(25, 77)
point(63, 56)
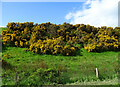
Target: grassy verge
point(80, 68)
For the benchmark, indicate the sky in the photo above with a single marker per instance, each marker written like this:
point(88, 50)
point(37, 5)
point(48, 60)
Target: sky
point(38, 12)
point(94, 12)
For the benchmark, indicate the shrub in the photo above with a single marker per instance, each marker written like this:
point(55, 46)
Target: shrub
point(17, 34)
point(53, 46)
point(40, 38)
point(41, 77)
point(103, 41)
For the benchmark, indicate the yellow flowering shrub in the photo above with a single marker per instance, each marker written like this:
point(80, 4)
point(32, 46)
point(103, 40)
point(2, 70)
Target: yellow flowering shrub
point(68, 50)
point(103, 41)
point(17, 34)
point(16, 43)
point(52, 46)
point(48, 38)
point(21, 44)
point(8, 39)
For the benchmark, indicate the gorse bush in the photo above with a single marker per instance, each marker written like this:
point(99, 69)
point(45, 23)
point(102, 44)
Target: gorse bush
point(104, 40)
point(17, 34)
point(53, 46)
point(48, 38)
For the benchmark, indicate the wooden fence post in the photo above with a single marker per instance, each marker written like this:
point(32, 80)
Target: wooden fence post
point(96, 72)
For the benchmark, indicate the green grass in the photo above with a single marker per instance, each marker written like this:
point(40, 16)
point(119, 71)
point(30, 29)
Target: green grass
point(80, 68)
point(105, 82)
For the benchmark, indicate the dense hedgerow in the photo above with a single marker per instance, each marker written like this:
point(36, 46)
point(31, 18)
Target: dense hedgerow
point(104, 40)
point(48, 38)
point(17, 34)
point(53, 46)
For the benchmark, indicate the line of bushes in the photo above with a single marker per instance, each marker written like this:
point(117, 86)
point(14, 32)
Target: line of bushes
point(48, 38)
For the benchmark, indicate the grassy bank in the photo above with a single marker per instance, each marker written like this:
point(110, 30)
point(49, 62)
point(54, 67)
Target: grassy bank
point(80, 68)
